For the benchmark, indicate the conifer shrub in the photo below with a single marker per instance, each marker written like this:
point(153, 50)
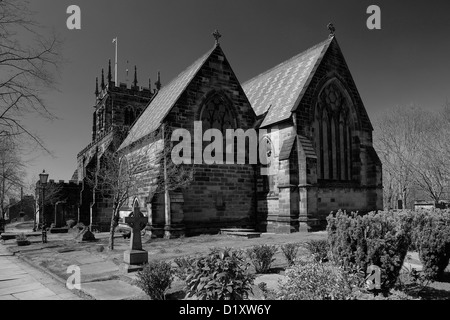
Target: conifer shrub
point(223, 274)
point(155, 279)
point(262, 257)
point(290, 251)
point(431, 238)
point(318, 249)
point(376, 239)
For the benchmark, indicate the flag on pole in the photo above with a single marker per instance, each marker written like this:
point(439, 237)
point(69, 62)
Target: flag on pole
point(114, 40)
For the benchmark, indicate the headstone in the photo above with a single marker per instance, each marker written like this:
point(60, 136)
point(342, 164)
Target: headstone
point(85, 235)
point(135, 255)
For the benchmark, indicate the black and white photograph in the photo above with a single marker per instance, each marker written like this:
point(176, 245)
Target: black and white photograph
point(242, 152)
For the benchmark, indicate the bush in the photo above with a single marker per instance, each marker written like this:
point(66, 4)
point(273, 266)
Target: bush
point(381, 239)
point(318, 249)
point(71, 223)
point(262, 257)
point(155, 279)
point(313, 280)
point(431, 238)
point(221, 275)
point(290, 251)
point(22, 240)
point(21, 237)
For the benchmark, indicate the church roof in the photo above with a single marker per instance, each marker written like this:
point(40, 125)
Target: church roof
point(165, 99)
point(279, 90)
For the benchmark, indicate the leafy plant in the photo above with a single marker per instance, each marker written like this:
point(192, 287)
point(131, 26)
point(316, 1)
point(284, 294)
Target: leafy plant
point(262, 257)
point(220, 275)
point(318, 249)
point(184, 267)
point(380, 239)
point(155, 279)
point(290, 251)
point(431, 238)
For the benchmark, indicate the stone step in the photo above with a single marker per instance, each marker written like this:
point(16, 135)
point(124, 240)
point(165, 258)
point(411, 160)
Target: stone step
point(11, 235)
point(241, 233)
point(237, 230)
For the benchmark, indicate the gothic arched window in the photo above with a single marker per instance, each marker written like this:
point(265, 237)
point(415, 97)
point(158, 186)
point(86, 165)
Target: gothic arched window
point(217, 114)
point(333, 135)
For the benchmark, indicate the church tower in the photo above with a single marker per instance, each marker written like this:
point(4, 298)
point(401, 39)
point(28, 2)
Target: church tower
point(117, 106)
point(116, 109)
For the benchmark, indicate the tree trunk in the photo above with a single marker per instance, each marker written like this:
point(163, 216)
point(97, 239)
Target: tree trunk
point(114, 223)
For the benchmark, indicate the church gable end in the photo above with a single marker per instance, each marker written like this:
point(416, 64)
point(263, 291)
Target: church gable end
point(219, 195)
point(332, 116)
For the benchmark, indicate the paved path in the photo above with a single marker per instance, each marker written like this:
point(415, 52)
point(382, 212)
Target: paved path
point(19, 281)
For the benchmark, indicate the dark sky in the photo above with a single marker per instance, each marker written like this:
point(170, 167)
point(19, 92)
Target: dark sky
point(406, 62)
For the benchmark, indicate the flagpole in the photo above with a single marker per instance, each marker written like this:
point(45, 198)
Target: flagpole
point(115, 66)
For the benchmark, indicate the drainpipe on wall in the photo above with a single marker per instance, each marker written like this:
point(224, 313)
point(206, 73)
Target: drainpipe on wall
point(255, 173)
point(166, 189)
point(91, 213)
point(302, 181)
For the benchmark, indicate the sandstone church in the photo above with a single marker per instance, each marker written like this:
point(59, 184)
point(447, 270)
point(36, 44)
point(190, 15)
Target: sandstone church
point(323, 147)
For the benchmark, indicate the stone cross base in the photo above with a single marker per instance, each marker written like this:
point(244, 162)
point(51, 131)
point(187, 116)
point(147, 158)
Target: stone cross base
point(126, 268)
point(135, 257)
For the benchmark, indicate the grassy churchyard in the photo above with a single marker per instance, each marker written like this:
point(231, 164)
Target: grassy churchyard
point(103, 278)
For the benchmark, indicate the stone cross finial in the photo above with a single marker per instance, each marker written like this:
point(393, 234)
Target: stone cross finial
point(217, 36)
point(135, 223)
point(332, 29)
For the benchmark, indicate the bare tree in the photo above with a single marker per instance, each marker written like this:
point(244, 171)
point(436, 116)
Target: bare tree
point(117, 176)
point(396, 140)
point(431, 166)
point(413, 146)
point(28, 61)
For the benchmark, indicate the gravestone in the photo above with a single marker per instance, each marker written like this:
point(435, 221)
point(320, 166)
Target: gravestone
point(135, 255)
point(85, 235)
